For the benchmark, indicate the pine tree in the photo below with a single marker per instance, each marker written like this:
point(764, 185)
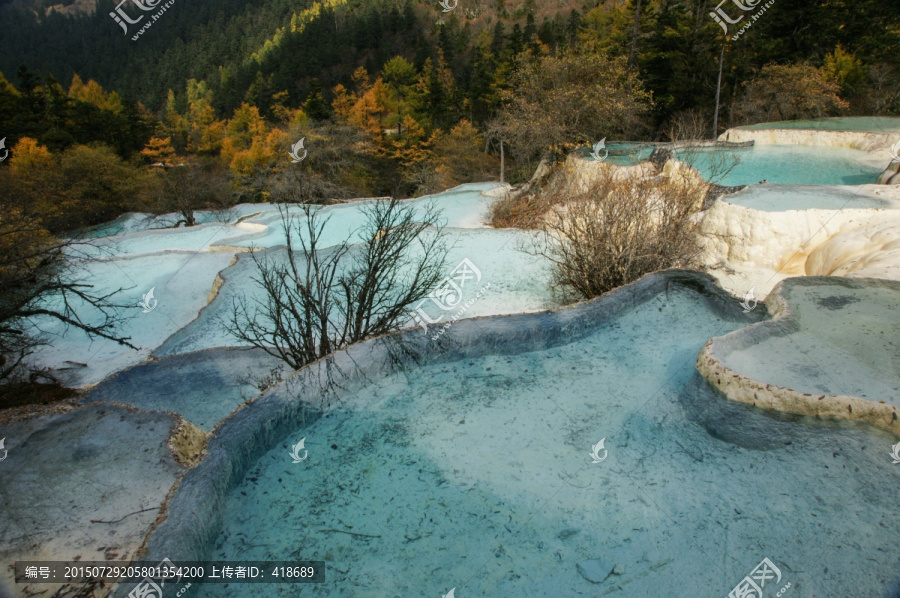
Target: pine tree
point(315, 106)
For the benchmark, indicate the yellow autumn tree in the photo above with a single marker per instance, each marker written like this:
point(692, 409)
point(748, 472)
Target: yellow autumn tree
point(211, 138)
point(343, 101)
point(159, 149)
point(461, 157)
point(93, 93)
point(204, 132)
point(28, 154)
point(410, 148)
point(360, 80)
point(371, 108)
point(248, 143)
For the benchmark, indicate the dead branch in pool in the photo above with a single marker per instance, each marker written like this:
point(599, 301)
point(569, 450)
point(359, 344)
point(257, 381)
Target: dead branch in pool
point(128, 515)
point(343, 531)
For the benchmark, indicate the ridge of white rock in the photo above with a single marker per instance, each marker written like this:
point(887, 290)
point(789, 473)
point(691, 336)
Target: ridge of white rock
point(868, 141)
point(748, 248)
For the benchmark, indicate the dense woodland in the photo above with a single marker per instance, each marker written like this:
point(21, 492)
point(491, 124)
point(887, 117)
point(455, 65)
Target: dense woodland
point(395, 97)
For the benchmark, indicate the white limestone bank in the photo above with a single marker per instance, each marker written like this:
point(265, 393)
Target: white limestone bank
point(846, 325)
point(752, 248)
point(88, 485)
point(867, 141)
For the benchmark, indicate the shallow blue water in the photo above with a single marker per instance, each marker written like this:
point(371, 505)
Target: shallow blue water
point(461, 207)
point(621, 153)
point(787, 164)
point(780, 198)
point(476, 475)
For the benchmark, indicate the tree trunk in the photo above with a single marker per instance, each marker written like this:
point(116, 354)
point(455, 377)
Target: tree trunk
point(634, 34)
point(502, 163)
point(718, 93)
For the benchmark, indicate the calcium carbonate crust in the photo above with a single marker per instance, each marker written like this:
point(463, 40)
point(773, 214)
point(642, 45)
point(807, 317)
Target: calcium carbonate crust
point(744, 389)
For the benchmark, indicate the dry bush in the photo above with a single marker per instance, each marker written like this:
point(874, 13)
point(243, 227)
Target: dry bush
point(688, 131)
point(882, 92)
point(520, 211)
point(689, 125)
point(618, 230)
point(188, 188)
point(789, 92)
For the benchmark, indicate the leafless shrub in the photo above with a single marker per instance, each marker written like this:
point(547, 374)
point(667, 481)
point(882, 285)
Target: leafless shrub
point(302, 186)
point(425, 178)
point(43, 277)
point(883, 91)
point(689, 124)
point(690, 147)
point(261, 382)
point(316, 300)
point(618, 230)
point(188, 188)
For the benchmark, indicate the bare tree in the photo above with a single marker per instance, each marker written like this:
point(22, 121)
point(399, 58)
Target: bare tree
point(293, 184)
point(316, 300)
point(619, 229)
point(341, 163)
point(688, 131)
point(40, 278)
point(188, 188)
point(688, 125)
point(715, 128)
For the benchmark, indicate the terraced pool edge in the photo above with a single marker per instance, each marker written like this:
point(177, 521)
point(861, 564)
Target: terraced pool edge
point(861, 140)
point(744, 389)
point(193, 513)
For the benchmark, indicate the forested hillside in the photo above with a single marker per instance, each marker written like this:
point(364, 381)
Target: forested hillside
point(402, 97)
point(252, 49)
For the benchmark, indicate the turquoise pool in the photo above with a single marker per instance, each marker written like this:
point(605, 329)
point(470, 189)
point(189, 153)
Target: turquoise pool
point(780, 198)
point(786, 164)
point(473, 472)
point(622, 153)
